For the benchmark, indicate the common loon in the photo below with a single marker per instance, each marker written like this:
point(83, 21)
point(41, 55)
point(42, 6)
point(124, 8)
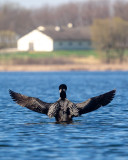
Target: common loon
point(63, 110)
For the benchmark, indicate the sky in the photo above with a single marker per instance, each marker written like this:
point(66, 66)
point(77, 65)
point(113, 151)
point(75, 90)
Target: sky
point(38, 3)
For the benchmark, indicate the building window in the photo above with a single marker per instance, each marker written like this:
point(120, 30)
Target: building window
point(60, 43)
point(70, 43)
point(80, 43)
point(89, 42)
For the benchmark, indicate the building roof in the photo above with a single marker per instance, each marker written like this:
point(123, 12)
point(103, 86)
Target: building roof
point(66, 33)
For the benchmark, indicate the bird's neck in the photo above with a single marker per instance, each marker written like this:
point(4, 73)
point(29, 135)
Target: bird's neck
point(62, 95)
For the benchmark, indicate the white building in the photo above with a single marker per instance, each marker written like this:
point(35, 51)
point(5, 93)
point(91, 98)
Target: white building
point(55, 38)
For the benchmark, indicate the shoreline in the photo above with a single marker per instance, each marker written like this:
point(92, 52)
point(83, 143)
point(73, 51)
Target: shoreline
point(67, 67)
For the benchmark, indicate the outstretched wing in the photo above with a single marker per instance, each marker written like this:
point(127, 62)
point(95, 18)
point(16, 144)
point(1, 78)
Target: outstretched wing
point(31, 103)
point(95, 102)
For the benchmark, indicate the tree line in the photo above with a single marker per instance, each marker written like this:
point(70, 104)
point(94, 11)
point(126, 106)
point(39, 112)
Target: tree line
point(21, 20)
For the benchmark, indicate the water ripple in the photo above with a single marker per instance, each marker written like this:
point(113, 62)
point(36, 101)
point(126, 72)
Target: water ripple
point(100, 135)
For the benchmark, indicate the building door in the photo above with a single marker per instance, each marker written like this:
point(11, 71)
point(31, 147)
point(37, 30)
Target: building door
point(31, 46)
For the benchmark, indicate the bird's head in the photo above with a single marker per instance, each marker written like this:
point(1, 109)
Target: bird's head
point(62, 90)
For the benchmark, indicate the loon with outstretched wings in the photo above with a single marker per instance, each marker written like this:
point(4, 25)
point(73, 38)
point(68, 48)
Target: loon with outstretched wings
point(63, 110)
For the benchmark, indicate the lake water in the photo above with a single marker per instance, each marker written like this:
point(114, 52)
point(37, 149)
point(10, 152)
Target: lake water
point(99, 135)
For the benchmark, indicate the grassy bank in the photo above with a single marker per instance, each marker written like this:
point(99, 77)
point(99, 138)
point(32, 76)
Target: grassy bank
point(58, 61)
point(56, 57)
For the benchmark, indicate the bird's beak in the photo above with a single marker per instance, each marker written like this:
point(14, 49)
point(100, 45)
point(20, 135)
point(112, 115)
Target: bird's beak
point(62, 90)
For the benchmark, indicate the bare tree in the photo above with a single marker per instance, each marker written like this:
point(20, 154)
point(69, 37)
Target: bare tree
point(121, 9)
point(67, 13)
point(111, 36)
point(15, 18)
point(44, 16)
point(92, 10)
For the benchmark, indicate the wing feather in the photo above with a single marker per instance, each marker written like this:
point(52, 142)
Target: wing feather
point(31, 103)
point(95, 102)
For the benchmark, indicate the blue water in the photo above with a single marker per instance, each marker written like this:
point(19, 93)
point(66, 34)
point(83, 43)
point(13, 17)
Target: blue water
point(99, 135)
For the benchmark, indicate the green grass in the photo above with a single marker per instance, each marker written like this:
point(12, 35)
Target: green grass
point(54, 54)
point(55, 57)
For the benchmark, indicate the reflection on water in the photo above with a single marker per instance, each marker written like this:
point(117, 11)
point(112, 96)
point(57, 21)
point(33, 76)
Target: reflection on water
point(102, 134)
point(75, 122)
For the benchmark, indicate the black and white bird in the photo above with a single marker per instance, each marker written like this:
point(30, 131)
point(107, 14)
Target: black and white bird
point(63, 110)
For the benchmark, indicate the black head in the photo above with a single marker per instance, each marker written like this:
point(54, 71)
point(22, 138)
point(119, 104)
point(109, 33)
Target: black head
point(63, 87)
point(62, 90)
